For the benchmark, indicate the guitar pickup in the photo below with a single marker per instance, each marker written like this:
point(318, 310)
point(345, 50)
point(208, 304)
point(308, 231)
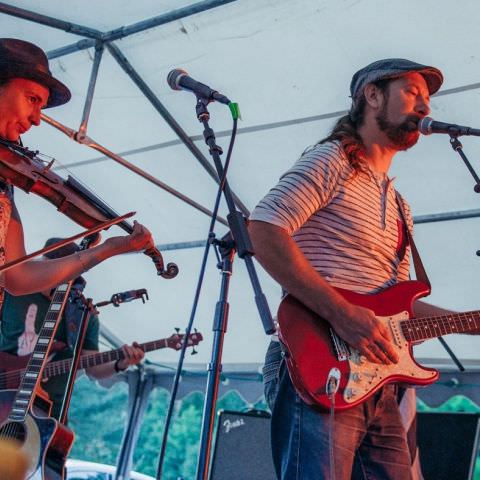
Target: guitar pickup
point(342, 349)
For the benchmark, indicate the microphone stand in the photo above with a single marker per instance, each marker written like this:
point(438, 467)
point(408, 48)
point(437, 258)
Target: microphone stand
point(240, 244)
point(458, 147)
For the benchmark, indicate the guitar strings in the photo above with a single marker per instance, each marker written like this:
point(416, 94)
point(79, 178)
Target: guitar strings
point(60, 364)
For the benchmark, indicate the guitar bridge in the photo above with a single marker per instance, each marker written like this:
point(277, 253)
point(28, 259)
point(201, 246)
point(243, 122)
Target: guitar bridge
point(342, 350)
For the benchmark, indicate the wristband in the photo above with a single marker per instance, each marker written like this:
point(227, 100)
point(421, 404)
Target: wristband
point(116, 367)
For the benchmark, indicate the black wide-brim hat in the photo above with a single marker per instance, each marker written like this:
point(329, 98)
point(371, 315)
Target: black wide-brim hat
point(20, 59)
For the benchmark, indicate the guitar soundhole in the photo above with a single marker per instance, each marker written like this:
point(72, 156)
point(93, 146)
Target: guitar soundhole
point(14, 431)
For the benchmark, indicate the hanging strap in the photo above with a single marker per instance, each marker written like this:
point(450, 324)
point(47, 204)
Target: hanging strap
point(420, 271)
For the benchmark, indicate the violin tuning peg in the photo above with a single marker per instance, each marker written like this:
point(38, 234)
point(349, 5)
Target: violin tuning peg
point(194, 352)
point(177, 329)
point(195, 330)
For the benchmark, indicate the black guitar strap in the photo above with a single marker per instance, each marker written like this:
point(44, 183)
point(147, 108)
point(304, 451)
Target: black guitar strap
point(420, 271)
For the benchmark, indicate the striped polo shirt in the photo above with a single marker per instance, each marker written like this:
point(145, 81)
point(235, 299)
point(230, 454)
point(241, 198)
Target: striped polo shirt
point(347, 224)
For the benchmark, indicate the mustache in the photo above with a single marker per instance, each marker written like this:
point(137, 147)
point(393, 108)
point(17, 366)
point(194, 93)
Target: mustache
point(410, 124)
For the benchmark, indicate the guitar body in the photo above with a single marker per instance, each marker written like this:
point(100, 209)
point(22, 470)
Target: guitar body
point(45, 441)
point(315, 354)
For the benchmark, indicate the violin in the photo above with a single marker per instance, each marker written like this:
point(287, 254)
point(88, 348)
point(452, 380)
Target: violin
point(23, 168)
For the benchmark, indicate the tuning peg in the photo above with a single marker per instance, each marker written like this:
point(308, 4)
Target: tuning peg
point(195, 330)
point(194, 352)
point(177, 329)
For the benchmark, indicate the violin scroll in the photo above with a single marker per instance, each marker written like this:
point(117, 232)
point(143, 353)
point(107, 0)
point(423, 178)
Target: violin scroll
point(156, 256)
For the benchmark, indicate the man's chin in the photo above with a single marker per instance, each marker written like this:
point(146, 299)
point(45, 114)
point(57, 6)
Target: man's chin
point(12, 137)
point(407, 141)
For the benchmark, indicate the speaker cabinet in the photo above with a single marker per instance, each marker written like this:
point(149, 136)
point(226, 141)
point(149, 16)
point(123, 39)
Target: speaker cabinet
point(448, 445)
point(242, 447)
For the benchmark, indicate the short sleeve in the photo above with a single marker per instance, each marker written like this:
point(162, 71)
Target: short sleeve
point(304, 189)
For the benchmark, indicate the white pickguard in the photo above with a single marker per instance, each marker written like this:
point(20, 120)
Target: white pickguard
point(365, 376)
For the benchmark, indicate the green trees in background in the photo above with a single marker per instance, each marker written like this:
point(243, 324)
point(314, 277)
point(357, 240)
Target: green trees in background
point(97, 416)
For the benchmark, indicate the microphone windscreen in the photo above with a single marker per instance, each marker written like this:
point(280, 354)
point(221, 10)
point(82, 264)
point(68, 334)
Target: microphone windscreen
point(424, 125)
point(174, 77)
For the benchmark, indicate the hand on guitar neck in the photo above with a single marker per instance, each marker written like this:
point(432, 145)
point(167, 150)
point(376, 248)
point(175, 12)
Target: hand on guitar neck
point(133, 355)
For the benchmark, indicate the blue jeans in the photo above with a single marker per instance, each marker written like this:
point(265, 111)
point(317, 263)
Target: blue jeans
point(369, 439)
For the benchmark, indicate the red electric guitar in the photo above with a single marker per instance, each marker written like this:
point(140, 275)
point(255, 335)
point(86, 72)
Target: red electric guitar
point(317, 358)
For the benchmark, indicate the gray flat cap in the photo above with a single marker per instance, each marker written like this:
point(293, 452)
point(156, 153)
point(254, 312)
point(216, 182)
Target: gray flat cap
point(393, 68)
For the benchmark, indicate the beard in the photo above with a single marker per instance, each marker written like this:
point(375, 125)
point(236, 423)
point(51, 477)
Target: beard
point(402, 135)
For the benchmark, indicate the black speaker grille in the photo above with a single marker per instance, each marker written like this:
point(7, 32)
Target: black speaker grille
point(242, 447)
point(448, 445)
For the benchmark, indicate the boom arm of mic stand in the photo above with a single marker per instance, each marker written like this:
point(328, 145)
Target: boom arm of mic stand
point(458, 147)
point(237, 225)
point(245, 251)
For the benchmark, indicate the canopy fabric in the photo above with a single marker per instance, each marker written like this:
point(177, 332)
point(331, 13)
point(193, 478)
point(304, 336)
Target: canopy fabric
point(288, 63)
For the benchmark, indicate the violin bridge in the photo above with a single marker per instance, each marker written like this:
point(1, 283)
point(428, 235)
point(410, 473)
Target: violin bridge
point(49, 165)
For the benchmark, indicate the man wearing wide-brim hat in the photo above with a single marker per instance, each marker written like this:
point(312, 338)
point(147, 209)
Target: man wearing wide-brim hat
point(26, 87)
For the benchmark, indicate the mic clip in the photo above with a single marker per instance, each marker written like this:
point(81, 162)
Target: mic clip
point(123, 297)
point(119, 298)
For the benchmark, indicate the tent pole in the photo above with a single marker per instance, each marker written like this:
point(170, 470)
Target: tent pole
point(139, 387)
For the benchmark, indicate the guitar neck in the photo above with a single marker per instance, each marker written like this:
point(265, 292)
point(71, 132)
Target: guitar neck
point(86, 361)
point(38, 358)
point(424, 328)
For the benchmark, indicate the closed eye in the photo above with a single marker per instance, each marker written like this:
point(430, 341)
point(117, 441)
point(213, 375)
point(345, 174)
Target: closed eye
point(36, 100)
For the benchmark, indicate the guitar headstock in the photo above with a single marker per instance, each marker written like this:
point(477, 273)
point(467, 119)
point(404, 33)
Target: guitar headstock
point(176, 340)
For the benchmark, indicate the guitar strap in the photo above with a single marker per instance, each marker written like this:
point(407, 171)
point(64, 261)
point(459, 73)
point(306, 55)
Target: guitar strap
point(420, 271)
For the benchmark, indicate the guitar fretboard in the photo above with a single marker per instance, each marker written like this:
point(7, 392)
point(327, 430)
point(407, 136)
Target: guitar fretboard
point(32, 375)
point(417, 329)
point(87, 361)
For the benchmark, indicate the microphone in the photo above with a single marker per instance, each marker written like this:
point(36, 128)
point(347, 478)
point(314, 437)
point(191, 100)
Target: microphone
point(123, 297)
point(428, 125)
point(179, 79)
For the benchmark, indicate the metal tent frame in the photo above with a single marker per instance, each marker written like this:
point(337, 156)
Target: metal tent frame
point(142, 380)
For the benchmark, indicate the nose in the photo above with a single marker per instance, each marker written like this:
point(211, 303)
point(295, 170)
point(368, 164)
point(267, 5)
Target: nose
point(35, 116)
point(423, 106)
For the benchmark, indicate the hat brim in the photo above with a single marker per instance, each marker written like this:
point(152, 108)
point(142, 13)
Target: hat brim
point(433, 77)
point(59, 93)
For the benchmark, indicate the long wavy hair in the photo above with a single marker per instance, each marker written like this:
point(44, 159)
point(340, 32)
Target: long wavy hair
point(346, 129)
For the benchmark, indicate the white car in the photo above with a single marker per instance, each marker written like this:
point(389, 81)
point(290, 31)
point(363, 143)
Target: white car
point(80, 470)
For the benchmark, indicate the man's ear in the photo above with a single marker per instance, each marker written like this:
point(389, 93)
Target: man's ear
point(373, 96)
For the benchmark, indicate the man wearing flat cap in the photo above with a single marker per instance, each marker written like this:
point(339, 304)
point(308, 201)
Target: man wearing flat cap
point(335, 220)
point(27, 87)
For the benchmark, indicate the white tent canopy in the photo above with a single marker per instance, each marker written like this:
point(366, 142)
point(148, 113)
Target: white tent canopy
point(288, 64)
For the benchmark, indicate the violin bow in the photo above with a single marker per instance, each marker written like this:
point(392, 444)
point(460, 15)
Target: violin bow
point(65, 241)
